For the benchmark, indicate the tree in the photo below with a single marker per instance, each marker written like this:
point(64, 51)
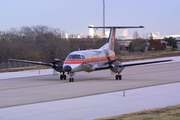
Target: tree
point(136, 35)
point(137, 45)
point(171, 42)
point(131, 47)
point(42, 43)
point(156, 45)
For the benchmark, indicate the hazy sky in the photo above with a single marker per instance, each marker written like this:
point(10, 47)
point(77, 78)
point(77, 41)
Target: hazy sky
point(74, 16)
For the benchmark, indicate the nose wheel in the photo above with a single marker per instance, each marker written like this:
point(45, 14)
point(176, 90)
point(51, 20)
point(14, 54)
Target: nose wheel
point(71, 79)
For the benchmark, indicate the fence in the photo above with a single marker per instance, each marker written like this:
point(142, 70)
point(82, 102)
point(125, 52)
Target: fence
point(4, 65)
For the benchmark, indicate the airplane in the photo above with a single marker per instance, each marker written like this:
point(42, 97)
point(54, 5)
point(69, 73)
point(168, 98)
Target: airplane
point(92, 60)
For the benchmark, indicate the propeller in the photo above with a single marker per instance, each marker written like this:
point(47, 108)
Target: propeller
point(110, 62)
point(54, 62)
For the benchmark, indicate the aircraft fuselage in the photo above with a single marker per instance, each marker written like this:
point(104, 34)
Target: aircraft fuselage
point(87, 60)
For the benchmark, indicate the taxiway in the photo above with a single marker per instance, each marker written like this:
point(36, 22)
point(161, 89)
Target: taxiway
point(16, 92)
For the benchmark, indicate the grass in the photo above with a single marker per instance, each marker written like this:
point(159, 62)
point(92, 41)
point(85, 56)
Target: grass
point(24, 68)
point(165, 113)
point(126, 56)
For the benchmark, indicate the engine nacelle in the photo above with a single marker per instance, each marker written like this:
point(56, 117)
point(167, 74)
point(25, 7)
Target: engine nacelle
point(58, 65)
point(117, 67)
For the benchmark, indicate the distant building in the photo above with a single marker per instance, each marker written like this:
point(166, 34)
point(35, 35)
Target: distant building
point(80, 36)
point(66, 35)
point(107, 33)
point(155, 36)
point(174, 36)
point(125, 33)
point(178, 42)
point(91, 31)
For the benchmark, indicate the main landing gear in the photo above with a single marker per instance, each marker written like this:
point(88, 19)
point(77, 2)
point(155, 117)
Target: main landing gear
point(118, 77)
point(63, 76)
point(71, 79)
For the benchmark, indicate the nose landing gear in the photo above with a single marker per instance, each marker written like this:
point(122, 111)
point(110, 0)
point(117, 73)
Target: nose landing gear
point(71, 79)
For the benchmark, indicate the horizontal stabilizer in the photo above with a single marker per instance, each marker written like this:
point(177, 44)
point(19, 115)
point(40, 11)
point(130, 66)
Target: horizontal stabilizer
point(118, 27)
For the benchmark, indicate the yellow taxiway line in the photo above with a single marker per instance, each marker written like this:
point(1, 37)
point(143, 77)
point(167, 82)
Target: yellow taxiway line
point(85, 80)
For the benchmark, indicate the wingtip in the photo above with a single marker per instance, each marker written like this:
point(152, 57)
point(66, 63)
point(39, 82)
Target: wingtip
point(141, 26)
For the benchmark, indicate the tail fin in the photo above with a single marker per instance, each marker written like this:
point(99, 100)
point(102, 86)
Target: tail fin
point(111, 39)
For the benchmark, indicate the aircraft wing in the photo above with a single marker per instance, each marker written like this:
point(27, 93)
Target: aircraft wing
point(134, 64)
point(33, 62)
point(143, 63)
point(102, 68)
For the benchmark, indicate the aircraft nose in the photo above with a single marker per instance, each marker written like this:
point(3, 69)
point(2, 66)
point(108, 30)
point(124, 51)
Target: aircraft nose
point(67, 68)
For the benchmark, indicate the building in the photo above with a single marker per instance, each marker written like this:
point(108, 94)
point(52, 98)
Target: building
point(91, 31)
point(178, 42)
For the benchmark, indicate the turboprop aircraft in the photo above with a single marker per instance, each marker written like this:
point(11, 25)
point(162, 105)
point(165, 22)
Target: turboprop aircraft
point(92, 60)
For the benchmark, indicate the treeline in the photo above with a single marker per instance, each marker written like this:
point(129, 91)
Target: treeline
point(139, 44)
point(151, 45)
point(41, 43)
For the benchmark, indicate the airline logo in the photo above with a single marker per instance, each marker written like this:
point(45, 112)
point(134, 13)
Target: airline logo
point(112, 41)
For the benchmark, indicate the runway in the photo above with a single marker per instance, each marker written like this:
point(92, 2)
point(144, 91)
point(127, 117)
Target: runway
point(97, 106)
point(48, 88)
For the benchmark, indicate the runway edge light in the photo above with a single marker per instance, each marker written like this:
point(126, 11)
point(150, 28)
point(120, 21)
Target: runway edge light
point(123, 93)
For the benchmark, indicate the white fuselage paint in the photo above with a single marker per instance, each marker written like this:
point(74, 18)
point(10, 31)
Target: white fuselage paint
point(92, 59)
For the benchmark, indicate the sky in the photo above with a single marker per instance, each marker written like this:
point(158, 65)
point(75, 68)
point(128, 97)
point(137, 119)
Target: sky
point(74, 16)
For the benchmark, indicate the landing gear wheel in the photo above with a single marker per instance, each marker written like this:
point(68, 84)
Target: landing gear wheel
point(71, 79)
point(120, 77)
point(61, 77)
point(116, 77)
point(64, 77)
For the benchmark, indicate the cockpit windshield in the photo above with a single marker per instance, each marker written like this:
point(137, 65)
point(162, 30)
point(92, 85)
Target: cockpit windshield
point(75, 56)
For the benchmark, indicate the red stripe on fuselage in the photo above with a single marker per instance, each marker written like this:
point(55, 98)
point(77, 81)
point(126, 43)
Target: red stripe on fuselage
point(74, 61)
point(89, 60)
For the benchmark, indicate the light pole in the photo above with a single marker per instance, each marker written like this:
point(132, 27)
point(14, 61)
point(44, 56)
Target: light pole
point(104, 17)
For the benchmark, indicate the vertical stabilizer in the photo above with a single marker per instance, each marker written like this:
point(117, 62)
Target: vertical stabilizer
point(111, 39)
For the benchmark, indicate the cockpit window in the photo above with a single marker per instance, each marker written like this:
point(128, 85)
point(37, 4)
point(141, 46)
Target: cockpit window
point(71, 56)
point(77, 56)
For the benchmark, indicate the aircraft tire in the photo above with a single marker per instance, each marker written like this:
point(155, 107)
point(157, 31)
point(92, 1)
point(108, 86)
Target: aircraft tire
point(116, 77)
point(70, 80)
point(61, 77)
point(120, 77)
point(64, 77)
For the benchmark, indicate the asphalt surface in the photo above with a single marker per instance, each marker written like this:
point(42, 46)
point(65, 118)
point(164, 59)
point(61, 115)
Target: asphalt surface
point(97, 106)
point(29, 90)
